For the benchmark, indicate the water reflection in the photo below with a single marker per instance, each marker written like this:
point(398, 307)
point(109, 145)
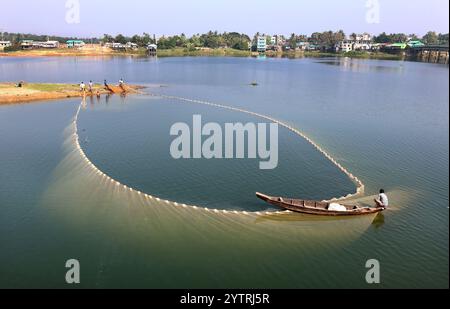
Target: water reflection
point(355, 65)
point(83, 103)
point(378, 221)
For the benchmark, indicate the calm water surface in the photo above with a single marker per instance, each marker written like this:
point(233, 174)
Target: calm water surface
point(386, 121)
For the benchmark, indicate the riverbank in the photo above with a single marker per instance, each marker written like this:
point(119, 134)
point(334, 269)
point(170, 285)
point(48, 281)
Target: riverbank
point(87, 51)
point(229, 52)
point(29, 92)
point(201, 52)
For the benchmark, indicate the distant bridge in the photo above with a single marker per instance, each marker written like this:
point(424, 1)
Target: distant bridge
point(429, 53)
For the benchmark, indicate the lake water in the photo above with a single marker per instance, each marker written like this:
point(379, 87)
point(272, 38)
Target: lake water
point(385, 121)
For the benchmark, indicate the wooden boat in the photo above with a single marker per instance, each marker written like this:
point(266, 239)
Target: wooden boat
point(115, 89)
point(122, 89)
point(316, 208)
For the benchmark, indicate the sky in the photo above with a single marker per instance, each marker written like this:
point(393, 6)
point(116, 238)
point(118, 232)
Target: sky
point(168, 17)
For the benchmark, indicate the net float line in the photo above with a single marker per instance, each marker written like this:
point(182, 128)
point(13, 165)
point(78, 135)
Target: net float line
point(359, 184)
point(152, 199)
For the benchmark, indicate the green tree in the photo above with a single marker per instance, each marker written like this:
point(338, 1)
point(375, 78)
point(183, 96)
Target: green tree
point(107, 38)
point(338, 37)
point(381, 38)
point(195, 41)
point(398, 38)
point(413, 37)
point(431, 38)
point(146, 39)
point(302, 38)
point(443, 38)
point(121, 39)
point(292, 41)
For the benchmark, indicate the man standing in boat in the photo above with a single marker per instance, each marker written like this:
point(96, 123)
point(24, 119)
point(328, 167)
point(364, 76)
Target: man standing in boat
point(382, 200)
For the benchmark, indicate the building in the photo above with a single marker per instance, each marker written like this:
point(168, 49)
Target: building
point(277, 40)
point(345, 46)
point(47, 44)
point(378, 46)
point(26, 44)
point(303, 46)
point(261, 44)
point(355, 42)
point(4, 44)
point(118, 46)
point(415, 43)
point(363, 38)
point(396, 46)
point(362, 42)
point(132, 46)
point(273, 40)
point(30, 44)
point(75, 44)
point(122, 47)
point(152, 49)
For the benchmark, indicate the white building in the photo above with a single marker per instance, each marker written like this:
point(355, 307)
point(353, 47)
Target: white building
point(120, 46)
point(4, 44)
point(356, 42)
point(48, 44)
point(261, 44)
point(130, 45)
point(362, 42)
point(345, 46)
point(305, 46)
point(273, 40)
point(152, 47)
point(277, 39)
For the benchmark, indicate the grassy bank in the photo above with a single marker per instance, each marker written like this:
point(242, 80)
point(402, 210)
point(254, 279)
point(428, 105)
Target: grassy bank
point(10, 93)
point(219, 52)
point(229, 52)
point(320, 54)
point(202, 52)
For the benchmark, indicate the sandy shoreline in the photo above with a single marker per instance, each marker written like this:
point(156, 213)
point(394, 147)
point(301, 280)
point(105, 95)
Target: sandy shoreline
point(11, 94)
point(87, 51)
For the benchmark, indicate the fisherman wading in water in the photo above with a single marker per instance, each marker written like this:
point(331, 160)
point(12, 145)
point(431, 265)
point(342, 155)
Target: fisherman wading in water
point(122, 84)
point(83, 88)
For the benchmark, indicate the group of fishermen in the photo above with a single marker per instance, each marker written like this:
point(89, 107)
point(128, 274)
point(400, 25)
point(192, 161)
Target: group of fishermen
point(90, 87)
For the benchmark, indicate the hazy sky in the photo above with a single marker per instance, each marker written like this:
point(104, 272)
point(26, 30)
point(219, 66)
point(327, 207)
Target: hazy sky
point(198, 16)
